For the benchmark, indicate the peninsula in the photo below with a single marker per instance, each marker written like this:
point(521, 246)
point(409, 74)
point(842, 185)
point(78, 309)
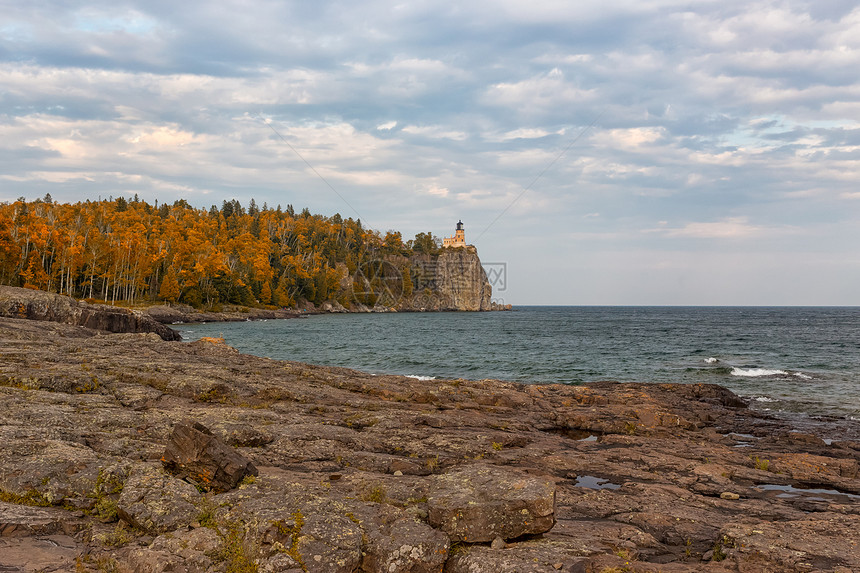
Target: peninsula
point(129, 252)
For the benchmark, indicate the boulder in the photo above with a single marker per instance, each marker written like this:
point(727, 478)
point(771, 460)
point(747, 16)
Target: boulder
point(195, 454)
point(157, 502)
point(478, 503)
point(168, 314)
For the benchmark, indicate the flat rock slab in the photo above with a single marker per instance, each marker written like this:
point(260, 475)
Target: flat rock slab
point(818, 542)
point(476, 504)
point(24, 520)
point(55, 553)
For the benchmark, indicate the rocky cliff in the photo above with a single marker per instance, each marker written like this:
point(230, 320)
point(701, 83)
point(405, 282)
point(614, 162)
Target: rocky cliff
point(127, 453)
point(39, 305)
point(451, 280)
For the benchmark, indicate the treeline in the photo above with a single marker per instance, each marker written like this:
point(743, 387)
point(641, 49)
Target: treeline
point(126, 250)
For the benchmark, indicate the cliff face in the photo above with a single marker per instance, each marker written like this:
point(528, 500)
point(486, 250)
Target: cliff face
point(452, 279)
point(456, 281)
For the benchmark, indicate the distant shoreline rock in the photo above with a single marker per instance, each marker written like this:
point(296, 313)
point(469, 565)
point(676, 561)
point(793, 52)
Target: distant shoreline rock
point(181, 313)
point(34, 304)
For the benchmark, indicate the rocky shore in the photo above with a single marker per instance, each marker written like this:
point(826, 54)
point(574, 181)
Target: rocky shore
point(181, 313)
point(129, 453)
point(40, 305)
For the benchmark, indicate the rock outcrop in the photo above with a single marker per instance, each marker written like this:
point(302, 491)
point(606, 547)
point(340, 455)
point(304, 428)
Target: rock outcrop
point(194, 454)
point(453, 279)
point(479, 503)
point(379, 474)
point(39, 305)
point(179, 313)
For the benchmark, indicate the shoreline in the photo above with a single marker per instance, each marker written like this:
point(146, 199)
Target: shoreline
point(34, 304)
point(310, 343)
point(647, 477)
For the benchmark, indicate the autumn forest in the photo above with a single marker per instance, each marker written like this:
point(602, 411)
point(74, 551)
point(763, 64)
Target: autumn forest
point(126, 251)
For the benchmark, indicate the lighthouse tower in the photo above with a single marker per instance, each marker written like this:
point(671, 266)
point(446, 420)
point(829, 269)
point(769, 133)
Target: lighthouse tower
point(459, 238)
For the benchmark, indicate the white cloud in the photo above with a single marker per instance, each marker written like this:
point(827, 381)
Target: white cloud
point(630, 138)
point(437, 191)
point(523, 133)
point(729, 228)
point(435, 132)
point(151, 91)
point(538, 93)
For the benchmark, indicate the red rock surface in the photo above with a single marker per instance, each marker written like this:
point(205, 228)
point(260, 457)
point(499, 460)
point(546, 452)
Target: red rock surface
point(354, 467)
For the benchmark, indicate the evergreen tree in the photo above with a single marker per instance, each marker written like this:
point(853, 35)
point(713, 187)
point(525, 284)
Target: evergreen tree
point(407, 282)
point(266, 293)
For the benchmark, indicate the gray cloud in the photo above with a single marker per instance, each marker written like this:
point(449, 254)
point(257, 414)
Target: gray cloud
point(722, 126)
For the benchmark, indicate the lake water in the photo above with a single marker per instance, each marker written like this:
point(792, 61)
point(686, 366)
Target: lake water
point(791, 361)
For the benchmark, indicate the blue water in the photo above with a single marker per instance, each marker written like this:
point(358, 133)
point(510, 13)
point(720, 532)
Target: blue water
point(790, 360)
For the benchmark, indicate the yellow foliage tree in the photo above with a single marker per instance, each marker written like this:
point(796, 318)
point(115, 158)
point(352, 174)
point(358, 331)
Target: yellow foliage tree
point(126, 250)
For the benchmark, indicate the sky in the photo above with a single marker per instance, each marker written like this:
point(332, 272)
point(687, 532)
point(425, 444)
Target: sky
point(624, 152)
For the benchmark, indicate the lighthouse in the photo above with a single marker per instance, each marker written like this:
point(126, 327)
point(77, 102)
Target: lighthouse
point(459, 238)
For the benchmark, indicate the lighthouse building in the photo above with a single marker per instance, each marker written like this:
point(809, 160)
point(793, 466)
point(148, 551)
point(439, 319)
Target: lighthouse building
point(459, 238)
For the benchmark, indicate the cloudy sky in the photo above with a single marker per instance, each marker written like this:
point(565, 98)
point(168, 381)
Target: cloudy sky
point(607, 152)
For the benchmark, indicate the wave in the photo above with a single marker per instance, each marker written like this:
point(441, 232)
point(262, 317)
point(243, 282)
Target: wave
point(756, 372)
point(711, 360)
point(423, 378)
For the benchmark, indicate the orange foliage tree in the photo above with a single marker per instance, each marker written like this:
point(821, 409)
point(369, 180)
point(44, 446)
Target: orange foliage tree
point(126, 250)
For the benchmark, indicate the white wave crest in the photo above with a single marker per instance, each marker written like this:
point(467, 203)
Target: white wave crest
point(802, 375)
point(764, 399)
point(756, 372)
point(417, 377)
point(711, 360)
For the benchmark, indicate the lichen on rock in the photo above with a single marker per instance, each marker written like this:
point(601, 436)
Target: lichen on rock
point(478, 503)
